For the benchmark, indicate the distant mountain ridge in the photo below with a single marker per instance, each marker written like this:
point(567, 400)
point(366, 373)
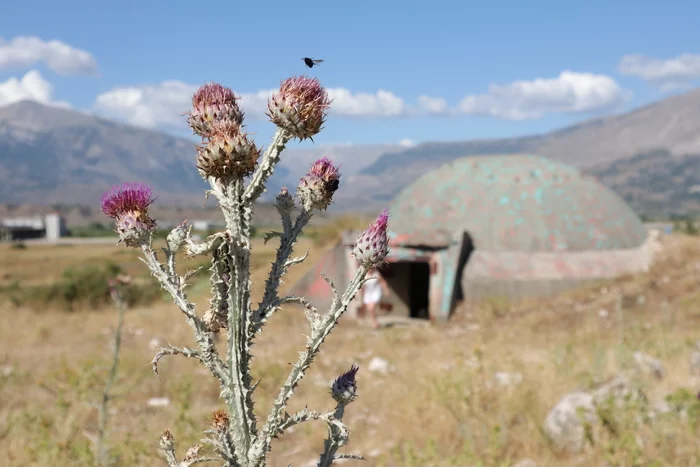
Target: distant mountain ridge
point(53, 155)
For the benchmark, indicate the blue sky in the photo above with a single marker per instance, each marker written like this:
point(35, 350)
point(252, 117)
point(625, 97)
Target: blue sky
point(398, 71)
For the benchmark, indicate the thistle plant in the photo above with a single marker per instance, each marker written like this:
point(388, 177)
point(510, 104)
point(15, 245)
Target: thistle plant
point(237, 172)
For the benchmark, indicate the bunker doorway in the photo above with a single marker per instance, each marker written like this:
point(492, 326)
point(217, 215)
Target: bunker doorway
point(464, 254)
point(409, 282)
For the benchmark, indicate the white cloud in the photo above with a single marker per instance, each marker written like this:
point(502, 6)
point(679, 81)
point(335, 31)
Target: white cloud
point(32, 86)
point(380, 104)
point(567, 93)
point(148, 106)
point(28, 51)
point(669, 74)
point(407, 143)
point(163, 104)
point(433, 105)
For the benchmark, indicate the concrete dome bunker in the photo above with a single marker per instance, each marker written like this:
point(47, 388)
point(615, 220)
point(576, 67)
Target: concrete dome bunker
point(509, 226)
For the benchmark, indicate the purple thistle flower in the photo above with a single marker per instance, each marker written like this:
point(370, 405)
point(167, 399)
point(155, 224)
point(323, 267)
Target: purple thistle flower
point(316, 188)
point(344, 388)
point(330, 174)
point(128, 204)
point(300, 106)
point(213, 103)
point(372, 245)
point(127, 197)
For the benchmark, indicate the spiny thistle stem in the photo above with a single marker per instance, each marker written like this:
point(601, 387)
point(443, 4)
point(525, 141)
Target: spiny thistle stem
point(116, 294)
point(208, 357)
point(335, 439)
point(267, 166)
point(320, 332)
point(287, 241)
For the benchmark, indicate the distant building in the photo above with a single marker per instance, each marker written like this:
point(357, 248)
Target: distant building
point(205, 225)
point(501, 227)
point(51, 227)
point(201, 225)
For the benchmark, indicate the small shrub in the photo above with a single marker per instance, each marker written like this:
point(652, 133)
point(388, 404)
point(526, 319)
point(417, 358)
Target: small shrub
point(81, 287)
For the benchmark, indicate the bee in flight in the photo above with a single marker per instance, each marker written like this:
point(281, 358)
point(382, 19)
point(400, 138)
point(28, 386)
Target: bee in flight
point(310, 62)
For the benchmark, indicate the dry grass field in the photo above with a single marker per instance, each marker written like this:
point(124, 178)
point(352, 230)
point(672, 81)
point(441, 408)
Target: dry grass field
point(436, 405)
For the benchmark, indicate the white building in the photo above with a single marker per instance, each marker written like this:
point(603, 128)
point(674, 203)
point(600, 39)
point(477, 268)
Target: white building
point(51, 227)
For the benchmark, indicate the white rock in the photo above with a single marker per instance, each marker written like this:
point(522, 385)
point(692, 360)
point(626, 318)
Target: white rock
point(525, 463)
point(154, 344)
point(7, 370)
point(617, 387)
point(379, 365)
point(158, 402)
point(662, 407)
point(603, 313)
point(695, 362)
point(649, 364)
point(564, 424)
point(503, 379)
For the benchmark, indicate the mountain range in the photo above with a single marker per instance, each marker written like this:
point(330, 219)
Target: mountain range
point(51, 155)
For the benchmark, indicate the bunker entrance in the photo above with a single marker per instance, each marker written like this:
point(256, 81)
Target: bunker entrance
point(409, 282)
point(464, 254)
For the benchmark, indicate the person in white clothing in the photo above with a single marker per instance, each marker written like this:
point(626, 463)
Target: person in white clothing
point(372, 293)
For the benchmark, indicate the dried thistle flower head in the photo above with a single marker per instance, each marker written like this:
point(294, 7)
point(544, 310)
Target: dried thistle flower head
point(228, 155)
point(300, 106)
point(128, 204)
point(212, 103)
point(372, 245)
point(316, 188)
point(344, 389)
point(220, 420)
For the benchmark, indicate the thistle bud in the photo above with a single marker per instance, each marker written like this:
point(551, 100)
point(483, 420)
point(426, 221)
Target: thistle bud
point(128, 205)
point(285, 201)
point(316, 188)
point(167, 442)
point(177, 236)
point(213, 103)
point(300, 106)
point(192, 454)
point(119, 281)
point(344, 389)
point(372, 245)
point(228, 155)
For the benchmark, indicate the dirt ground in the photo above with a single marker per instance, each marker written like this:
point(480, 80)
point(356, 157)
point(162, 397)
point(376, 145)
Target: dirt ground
point(434, 404)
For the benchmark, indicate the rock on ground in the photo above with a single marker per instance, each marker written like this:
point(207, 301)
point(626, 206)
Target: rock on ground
point(648, 364)
point(565, 422)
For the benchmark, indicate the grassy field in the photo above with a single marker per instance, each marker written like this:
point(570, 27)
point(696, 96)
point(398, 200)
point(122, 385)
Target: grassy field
point(436, 406)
